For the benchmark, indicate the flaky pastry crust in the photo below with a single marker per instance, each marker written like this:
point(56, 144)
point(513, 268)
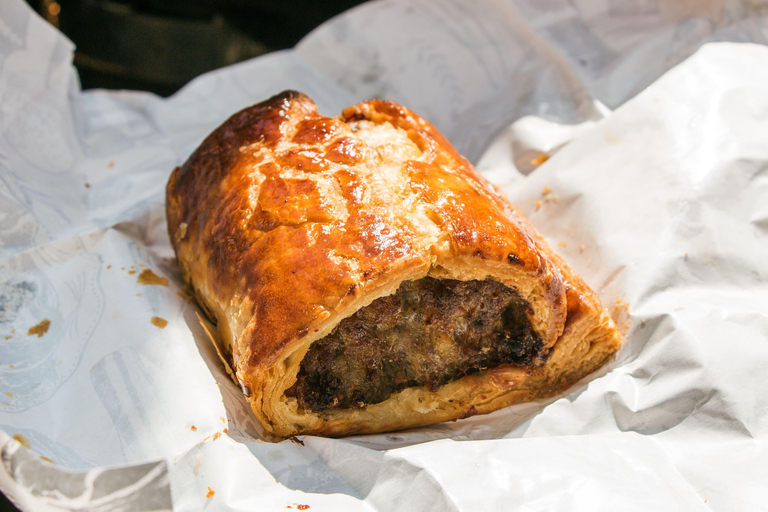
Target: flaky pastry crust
point(285, 222)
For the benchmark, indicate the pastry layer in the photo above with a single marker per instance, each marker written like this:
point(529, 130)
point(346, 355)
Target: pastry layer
point(297, 231)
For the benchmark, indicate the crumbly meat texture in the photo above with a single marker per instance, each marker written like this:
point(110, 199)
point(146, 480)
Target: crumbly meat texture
point(286, 222)
point(428, 333)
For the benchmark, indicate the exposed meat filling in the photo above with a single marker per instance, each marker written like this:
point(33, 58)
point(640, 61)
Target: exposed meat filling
point(429, 332)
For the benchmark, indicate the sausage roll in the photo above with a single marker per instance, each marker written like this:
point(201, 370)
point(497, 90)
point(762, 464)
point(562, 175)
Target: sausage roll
point(364, 278)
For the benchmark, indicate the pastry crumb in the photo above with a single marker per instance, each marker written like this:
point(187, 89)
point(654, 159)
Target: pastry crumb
point(538, 204)
point(210, 494)
point(563, 244)
point(545, 191)
point(39, 329)
point(216, 435)
point(186, 294)
point(46, 459)
point(150, 278)
point(193, 428)
point(23, 441)
point(159, 322)
point(620, 315)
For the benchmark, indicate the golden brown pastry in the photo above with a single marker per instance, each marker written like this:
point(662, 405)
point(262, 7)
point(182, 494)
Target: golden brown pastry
point(364, 278)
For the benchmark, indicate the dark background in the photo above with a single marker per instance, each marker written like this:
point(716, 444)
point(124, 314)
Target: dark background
point(160, 45)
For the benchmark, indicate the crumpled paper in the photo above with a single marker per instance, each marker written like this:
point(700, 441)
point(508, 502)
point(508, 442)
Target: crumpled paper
point(640, 155)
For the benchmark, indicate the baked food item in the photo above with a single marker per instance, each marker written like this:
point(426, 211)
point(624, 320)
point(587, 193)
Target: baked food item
point(364, 278)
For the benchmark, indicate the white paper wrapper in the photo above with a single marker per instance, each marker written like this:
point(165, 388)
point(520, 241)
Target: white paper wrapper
point(656, 192)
